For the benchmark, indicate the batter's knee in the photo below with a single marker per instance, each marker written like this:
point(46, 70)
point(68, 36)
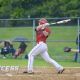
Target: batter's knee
point(30, 56)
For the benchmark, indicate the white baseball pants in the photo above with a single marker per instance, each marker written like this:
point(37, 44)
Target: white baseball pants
point(41, 49)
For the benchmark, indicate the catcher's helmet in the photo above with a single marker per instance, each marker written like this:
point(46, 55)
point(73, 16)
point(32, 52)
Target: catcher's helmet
point(42, 21)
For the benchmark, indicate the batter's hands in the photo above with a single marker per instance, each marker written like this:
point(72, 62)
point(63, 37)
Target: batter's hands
point(43, 25)
point(67, 49)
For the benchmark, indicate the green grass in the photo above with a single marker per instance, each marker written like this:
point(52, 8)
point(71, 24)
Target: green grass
point(10, 33)
point(58, 33)
point(58, 39)
point(23, 63)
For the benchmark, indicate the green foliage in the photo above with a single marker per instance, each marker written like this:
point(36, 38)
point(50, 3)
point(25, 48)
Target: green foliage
point(39, 8)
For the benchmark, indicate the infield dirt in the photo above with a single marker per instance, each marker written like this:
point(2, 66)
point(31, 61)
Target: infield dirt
point(41, 74)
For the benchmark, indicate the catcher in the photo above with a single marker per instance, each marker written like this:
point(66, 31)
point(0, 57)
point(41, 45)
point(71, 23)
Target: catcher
point(68, 49)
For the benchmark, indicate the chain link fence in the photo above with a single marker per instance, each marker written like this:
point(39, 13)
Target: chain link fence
point(62, 35)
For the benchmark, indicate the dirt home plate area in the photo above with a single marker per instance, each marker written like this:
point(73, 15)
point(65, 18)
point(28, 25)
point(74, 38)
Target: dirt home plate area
point(41, 74)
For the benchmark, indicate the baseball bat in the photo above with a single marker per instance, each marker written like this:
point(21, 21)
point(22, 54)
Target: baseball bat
point(62, 21)
point(58, 22)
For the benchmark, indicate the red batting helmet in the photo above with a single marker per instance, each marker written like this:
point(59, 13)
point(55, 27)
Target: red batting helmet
point(42, 21)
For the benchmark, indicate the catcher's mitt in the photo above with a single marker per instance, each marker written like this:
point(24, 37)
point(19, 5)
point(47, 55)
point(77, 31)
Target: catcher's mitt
point(67, 49)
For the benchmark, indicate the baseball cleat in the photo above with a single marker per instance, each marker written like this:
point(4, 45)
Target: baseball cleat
point(61, 71)
point(26, 72)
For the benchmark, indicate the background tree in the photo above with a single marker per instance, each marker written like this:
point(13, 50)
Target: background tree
point(39, 8)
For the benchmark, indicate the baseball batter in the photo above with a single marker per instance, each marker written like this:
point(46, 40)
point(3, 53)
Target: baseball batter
point(42, 33)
